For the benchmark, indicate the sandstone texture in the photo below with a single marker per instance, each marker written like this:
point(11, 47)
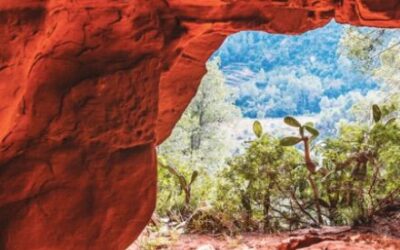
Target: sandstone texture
point(88, 88)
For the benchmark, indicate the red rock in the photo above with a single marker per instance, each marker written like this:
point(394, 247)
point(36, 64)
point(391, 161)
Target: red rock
point(329, 238)
point(88, 88)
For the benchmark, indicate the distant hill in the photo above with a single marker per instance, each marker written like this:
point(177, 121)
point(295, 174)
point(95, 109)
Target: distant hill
point(278, 75)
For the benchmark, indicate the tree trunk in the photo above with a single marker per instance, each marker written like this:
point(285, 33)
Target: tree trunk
point(267, 205)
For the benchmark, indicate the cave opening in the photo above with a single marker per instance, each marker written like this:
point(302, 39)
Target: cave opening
point(328, 79)
point(89, 89)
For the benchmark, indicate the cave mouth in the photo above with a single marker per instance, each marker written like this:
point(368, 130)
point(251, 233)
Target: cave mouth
point(323, 76)
point(88, 90)
point(329, 77)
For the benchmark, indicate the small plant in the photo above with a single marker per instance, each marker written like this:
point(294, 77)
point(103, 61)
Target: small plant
point(304, 138)
point(185, 185)
point(307, 133)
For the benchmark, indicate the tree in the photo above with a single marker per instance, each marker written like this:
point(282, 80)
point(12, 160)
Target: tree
point(260, 183)
point(361, 176)
point(197, 147)
point(274, 185)
point(374, 52)
point(198, 140)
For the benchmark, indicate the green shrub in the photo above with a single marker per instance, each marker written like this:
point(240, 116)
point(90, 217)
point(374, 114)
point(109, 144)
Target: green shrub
point(278, 184)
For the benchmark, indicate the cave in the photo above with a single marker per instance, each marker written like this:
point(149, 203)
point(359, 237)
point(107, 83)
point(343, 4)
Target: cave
point(88, 89)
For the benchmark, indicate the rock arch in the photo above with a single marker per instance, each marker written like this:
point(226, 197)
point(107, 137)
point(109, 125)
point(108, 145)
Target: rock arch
point(88, 88)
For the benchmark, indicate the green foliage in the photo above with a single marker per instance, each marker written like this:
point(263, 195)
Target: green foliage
point(197, 140)
point(184, 184)
point(376, 113)
point(361, 175)
point(375, 54)
point(181, 190)
point(276, 183)
point(313, 131)
point(250, 186)
point(274, 186)
point(291, 121)
point(311, 167)
point(257, 129)
point(196, 149)
point(290, 141)
point(195, 174)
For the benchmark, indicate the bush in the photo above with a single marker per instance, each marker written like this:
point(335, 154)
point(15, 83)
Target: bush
point(277, 184)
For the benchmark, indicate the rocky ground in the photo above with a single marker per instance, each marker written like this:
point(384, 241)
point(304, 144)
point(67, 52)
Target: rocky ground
point(383, 233)
point(323, 239)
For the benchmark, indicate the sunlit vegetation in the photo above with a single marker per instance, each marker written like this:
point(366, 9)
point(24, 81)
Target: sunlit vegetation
point(309, 176)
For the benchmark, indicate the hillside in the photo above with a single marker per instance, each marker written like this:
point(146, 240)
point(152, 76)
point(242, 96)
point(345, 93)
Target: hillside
point(277, 75)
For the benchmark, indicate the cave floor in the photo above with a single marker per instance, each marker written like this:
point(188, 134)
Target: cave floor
point(383, 233)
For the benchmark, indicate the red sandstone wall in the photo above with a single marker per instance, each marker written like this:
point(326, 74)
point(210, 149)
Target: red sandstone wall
point(87, 89)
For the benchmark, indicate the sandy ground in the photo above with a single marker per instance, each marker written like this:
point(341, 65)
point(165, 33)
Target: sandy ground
point(384, 233)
